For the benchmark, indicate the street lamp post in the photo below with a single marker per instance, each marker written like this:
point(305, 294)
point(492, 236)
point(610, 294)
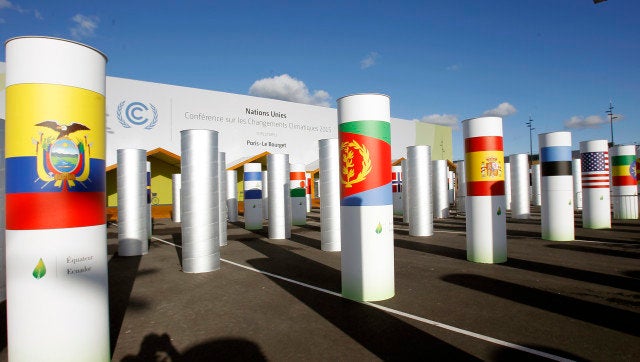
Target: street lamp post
point(530, 126)
point(611, 118)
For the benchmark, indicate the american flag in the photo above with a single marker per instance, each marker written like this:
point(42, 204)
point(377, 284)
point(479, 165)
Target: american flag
point(396, 181)
point(595, 170)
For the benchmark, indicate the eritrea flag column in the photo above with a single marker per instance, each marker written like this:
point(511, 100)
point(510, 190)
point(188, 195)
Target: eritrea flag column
point(366, 208)
point(57, 307)
point(623, 177)
point(485, 202)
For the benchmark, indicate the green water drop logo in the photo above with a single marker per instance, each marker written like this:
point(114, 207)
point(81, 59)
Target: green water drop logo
point(254, 206)
point(40, 270)
point(601, 197)
point(569, 202)
point(379, 228)
point(499, 211)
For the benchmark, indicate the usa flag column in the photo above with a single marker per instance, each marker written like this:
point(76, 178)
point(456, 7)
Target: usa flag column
point(57, 306)
point(623, 190)
point(253, 196)
point(596, 201)
point(366, 210)
point(556, 186)
point(485, 202)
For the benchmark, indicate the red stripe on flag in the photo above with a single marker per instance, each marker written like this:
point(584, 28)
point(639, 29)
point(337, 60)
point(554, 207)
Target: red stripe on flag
point(297, 175)
point(55, 210)
point(624, 181)
point(485, 188)
point(484, 143)
point(595, 186)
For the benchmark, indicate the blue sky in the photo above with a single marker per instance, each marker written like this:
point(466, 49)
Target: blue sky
point(560, 62)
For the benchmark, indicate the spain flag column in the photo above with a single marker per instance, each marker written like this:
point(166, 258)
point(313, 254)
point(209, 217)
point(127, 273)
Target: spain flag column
point(57, 307)
point(623, 177)
point(366, 209)
point(556, 186)
point(485, 201)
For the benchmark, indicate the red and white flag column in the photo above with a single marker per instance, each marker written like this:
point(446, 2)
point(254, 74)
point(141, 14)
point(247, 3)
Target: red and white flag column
point(623, 179)
point(330, 199)
point(307, 186)
point(133, 217)
point(485, 208)
point(366, 210)
point(298, 195)
point(576, 171)
point(396, 189)
point(57, 306)
point(520, 208)
point(556, 186)
point(253, 196)
point(596, 200)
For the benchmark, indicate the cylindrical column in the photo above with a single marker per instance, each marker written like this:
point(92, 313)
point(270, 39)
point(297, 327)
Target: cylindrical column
point(3, 267)
point(253, 196)
point(366, 210)
point(405, 193)
point(279, 196)
point(462, 186)
point(507, 185)
point(396, 189)
point(265, 195)
point(232, 195)
point(149, 211)
point(451, 180)
point(536, 185)
point(176, 183)
point(330, 202)
point(485, 208)
point(440, 189)
point(298, 194)
point(307, 186)
point(576, 171)
point(200, 205)
point(520, 208)
point(556, 186)
point(596, 200)
point(419, 190)
point(624, 190)
point(133, 217)
point(57, 300)
point(222, 200)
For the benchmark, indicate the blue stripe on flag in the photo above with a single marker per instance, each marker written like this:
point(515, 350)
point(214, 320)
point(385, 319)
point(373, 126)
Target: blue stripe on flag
point(555, 153)
point(252, 194)
point(375, 197)
point(253, 176)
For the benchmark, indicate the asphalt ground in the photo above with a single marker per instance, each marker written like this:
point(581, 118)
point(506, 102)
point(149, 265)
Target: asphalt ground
point(280, 299)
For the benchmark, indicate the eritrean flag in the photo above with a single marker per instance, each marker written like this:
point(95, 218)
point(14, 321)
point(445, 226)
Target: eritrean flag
point(623, 170)
point(365, 161)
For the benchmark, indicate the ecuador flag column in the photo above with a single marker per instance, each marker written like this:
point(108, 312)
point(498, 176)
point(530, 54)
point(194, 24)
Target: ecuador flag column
point(485, 202)
point(57, 307)
point(366, 208)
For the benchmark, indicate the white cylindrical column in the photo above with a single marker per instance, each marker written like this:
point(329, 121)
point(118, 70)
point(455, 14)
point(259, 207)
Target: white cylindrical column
point(253, 196)
point(596, 200)
point(133, 217)
point(176, 183)
point(298, 194)
point(396, 189)
point(507, 185)
point(265, 195)
point(623, 182)
point(329, 150)
point(405, 194)
point(419, 190)
point(520, 208)
point(279, 196)
point(576, 171)
point(536, 185)
point(200, 205)
point(451, 180)
point(222, 200)
point(462, 187)
point(485, 202)
point(149, 210)
point(3, 267)
point(56, 259)
point(556, 186)
point(232, 195)
point(440, 189)
point(366, 210)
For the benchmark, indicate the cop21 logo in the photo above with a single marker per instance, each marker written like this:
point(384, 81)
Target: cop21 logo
point(137, 114)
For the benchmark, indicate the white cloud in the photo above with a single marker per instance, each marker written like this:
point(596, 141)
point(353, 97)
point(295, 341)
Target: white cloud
point(369, 60)
point(38, 15)
point(593, 121)
point(449, 120)
point(502, 110)
point(5, 4)
point(453, 67)
point(85, 26)
point(287, 88)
